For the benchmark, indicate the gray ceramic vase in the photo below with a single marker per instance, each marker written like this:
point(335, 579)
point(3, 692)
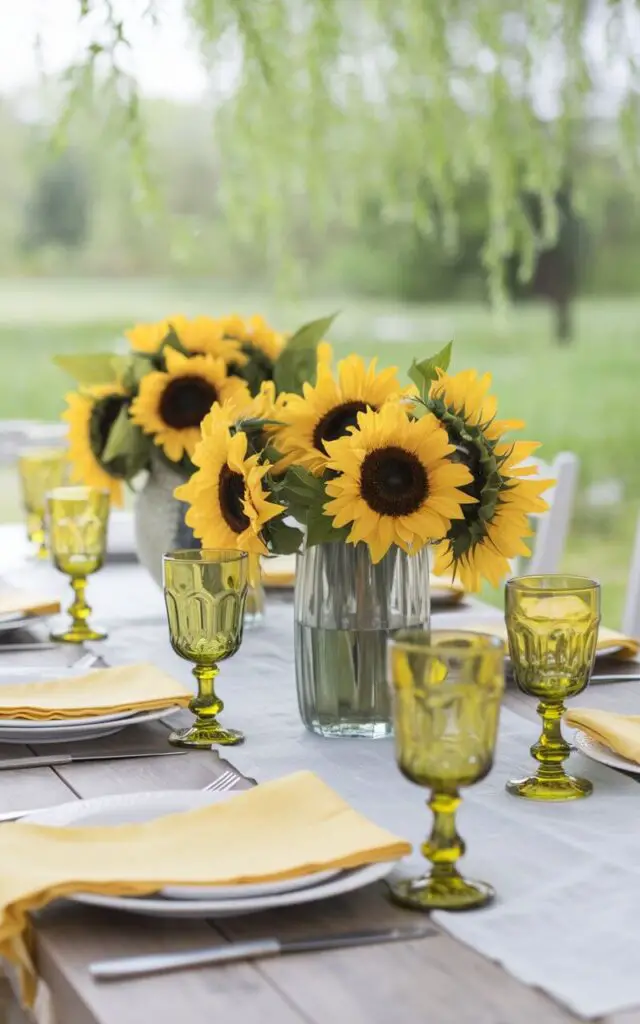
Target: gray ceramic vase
point(159, 518)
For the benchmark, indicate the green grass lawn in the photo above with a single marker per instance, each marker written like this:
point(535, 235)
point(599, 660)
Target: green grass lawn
point(585, 397)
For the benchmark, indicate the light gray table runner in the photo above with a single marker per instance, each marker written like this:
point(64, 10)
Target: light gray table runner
point(567, 876)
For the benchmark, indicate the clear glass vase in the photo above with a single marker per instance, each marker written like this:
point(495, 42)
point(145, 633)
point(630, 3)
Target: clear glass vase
point(346, 608)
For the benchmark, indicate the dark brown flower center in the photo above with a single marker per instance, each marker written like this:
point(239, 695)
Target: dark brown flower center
point(393, 482)
point(186, 401)
point(336, 423)
point(231, 495)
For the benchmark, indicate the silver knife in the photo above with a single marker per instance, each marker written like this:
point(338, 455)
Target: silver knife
point(52, 760)
point(132, 966)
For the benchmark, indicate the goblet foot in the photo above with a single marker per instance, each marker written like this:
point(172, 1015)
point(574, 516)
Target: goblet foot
point(564, 787)
point(204, 736)
point(452, 893)
point(77, 635)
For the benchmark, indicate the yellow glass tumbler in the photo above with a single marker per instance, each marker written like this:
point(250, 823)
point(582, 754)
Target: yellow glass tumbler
point(39, 472)
point(552, 623)
point(77, 519)
point(205, 592)
point(447, 688)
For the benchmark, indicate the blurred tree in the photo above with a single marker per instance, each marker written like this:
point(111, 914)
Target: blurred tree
point(57, 213)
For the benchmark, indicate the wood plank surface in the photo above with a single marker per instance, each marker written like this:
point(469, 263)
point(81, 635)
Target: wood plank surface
point(434, 981)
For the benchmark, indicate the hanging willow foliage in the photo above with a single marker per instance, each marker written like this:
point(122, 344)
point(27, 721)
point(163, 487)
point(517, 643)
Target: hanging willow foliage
point(325, 105)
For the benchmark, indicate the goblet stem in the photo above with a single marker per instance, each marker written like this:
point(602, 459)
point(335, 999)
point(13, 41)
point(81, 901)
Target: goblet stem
point(551, 781)
point(40, 538)
point(551, 750)
point(206, 706)
point(443, 888)
point(444, 847)
point(79, 610)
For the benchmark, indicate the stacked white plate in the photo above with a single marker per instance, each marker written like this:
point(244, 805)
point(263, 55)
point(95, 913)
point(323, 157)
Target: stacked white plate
point(189, 901)
point(65, 730)
point(18, 620)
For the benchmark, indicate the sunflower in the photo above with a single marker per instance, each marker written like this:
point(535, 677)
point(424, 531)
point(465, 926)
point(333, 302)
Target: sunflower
point(255, 336)
point(327, 410)
point(395, 483)
point(228, 502)
point(204, 336)
point(172, 405)
point(91, 414)
point(147, 338)
point(493, 531)
point(465, 394)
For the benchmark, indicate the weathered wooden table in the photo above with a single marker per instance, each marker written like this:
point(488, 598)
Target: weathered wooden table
point(435, 981)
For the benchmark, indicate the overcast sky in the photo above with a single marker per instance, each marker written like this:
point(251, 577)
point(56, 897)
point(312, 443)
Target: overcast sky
point(165, 61)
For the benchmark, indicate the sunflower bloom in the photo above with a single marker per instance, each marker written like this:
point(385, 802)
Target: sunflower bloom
point(228, 502)
point(395, 483)
point(90, 415)
point(147, 338)
point(467, 395)
point(327, 410)
point(171, 405)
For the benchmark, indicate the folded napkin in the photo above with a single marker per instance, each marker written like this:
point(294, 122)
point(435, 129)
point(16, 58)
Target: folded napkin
point(442, 584)
point(141, 687)
point(279, 571)
point(628, 646)
point(14, 601)
point(620, 733)
point(282, 829)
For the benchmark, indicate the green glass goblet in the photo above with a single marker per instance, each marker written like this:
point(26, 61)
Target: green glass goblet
point(77, 520)
point(447, 687)
point(40, 472)
point(552, 624)
point(205, 593)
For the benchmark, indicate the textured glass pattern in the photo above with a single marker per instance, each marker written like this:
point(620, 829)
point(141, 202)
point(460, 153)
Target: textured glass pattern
point(552, 624)
point(346, 609)
point(39, 473)
point(205, 593)
point(77, 519)
point(447, 687)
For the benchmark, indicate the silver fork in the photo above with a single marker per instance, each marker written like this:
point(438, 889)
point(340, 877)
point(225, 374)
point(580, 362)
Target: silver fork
point(222, 784)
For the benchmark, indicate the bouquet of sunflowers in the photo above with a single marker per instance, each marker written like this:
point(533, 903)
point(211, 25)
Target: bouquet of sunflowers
point(357, 458)
point(154, 398)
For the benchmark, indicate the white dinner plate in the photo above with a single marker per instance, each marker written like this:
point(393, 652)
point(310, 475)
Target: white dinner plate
point(68, 731)
point(187, 901)
point(598, 752)
point(17, 620)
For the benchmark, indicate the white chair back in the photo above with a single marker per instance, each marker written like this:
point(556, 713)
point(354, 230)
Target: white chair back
point(552, 527)
point(631, 615)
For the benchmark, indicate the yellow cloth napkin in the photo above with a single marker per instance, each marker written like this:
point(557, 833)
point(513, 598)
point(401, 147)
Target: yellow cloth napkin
point(282, 829)
point(279, 571)
point(628, 646)
point(141, 687)
point(620, 733)
point(14, 601)
point(452, 588)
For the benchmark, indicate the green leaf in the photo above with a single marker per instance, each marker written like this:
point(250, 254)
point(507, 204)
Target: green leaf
point(294, 368)
point(311, 334)
point(99, 368)
point(133, 371)
point(126, 445)
point(173, 341)
point(297, 362)
point(423, 373)
point(282, 538)
point(320, 529)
